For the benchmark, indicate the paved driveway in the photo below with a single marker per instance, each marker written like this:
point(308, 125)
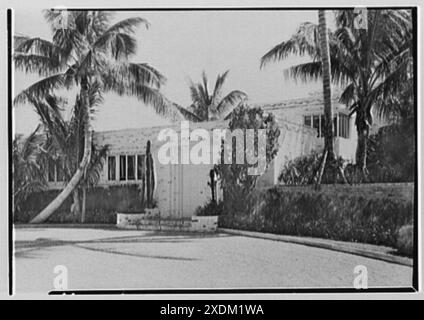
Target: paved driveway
point(121, 259)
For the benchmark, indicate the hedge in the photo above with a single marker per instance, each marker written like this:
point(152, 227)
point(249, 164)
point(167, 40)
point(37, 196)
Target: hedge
point(101, 206)
point(355, 216)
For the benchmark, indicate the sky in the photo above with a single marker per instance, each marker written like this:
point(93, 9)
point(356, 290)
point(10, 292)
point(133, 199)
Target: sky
point(181, 44)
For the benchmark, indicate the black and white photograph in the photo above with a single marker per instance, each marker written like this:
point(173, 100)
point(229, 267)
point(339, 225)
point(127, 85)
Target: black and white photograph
point(229, 149)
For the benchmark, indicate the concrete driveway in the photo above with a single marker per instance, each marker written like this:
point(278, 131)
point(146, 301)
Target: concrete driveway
point(121, 259)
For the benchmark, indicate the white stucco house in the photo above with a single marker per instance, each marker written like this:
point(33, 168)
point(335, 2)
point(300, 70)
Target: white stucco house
point(181, 188)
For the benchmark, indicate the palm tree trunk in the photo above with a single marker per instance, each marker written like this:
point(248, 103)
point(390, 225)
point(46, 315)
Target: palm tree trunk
point(76, 206)
point(84, 201)
point(73, 183)
point(361, 151)
point(328, 154)
point(326, 80)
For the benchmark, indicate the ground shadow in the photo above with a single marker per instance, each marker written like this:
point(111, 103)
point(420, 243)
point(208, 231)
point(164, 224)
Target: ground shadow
point(26, 249)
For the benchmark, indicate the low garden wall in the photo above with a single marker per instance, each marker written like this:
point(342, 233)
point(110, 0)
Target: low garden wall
point(120, 205)
point(144, 221)
point(369, 213)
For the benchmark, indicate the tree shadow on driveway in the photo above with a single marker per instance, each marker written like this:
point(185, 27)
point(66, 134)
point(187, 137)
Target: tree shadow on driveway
point(29, 249)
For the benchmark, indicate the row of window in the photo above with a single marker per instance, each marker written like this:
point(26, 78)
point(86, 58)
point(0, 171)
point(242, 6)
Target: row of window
point(340, 124)
point(131, 167)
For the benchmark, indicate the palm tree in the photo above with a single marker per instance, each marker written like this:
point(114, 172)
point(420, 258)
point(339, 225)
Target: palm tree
point(209, 106)
point(28, 170)
point(65, 145)
point(370, 63)
point(88, 51)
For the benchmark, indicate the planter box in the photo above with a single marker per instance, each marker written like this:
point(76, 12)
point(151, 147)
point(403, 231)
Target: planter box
point(130, 220)
point(151, 221)
point(204, 223)
point(152, 213)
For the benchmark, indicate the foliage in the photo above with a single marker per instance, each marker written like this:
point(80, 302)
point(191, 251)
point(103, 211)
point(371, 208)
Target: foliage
point(236, 182)
point(86, 51)
point(102, 205)
point(405, 241)
point(211, 208)
point(90, 49)
point(302, 170)
point(392, 154)
point(391, 158)
point(65, 139)
point(337, 215)
point(373, 64)
point(28, 170)
point(208, 106)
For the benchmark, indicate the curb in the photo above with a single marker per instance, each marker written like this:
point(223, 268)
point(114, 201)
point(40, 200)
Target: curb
point(324, 244)
point(64, 225)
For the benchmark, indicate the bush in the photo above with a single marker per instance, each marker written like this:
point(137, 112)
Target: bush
point(391, 158)
point(210, 209)
point(391, 155)
point(338, 215)
point(405, 241)
point(302, 170)
point(237, 181)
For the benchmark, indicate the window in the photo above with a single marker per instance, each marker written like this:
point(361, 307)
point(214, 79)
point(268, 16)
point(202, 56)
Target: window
point(307, 121)
point(344, 126)
point(341, 125)
point(131, 168)
point(111, 171)
point(123, 168)
point(140, 167)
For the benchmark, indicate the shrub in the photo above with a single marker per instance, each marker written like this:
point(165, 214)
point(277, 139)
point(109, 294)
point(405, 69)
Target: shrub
point(236, 180)
point(211, 208)
point(405, 241)
point(338, 214)
point(302, 170)
point(391, 155)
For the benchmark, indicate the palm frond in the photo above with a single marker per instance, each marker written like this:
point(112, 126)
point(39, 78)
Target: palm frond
point(95, 167)
point(304, 41)
point(348, 95)
point(305, 71)
point(390, 85)
point(32, 63)
point(118, 40)
point(186, 114)
point(36, 45)
point(42, 88)
point(134, 74)
point(229, 102)
point(196, 96)
point(219, 83)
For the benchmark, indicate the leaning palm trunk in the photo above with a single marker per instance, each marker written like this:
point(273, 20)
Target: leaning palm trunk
point(75, 180)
